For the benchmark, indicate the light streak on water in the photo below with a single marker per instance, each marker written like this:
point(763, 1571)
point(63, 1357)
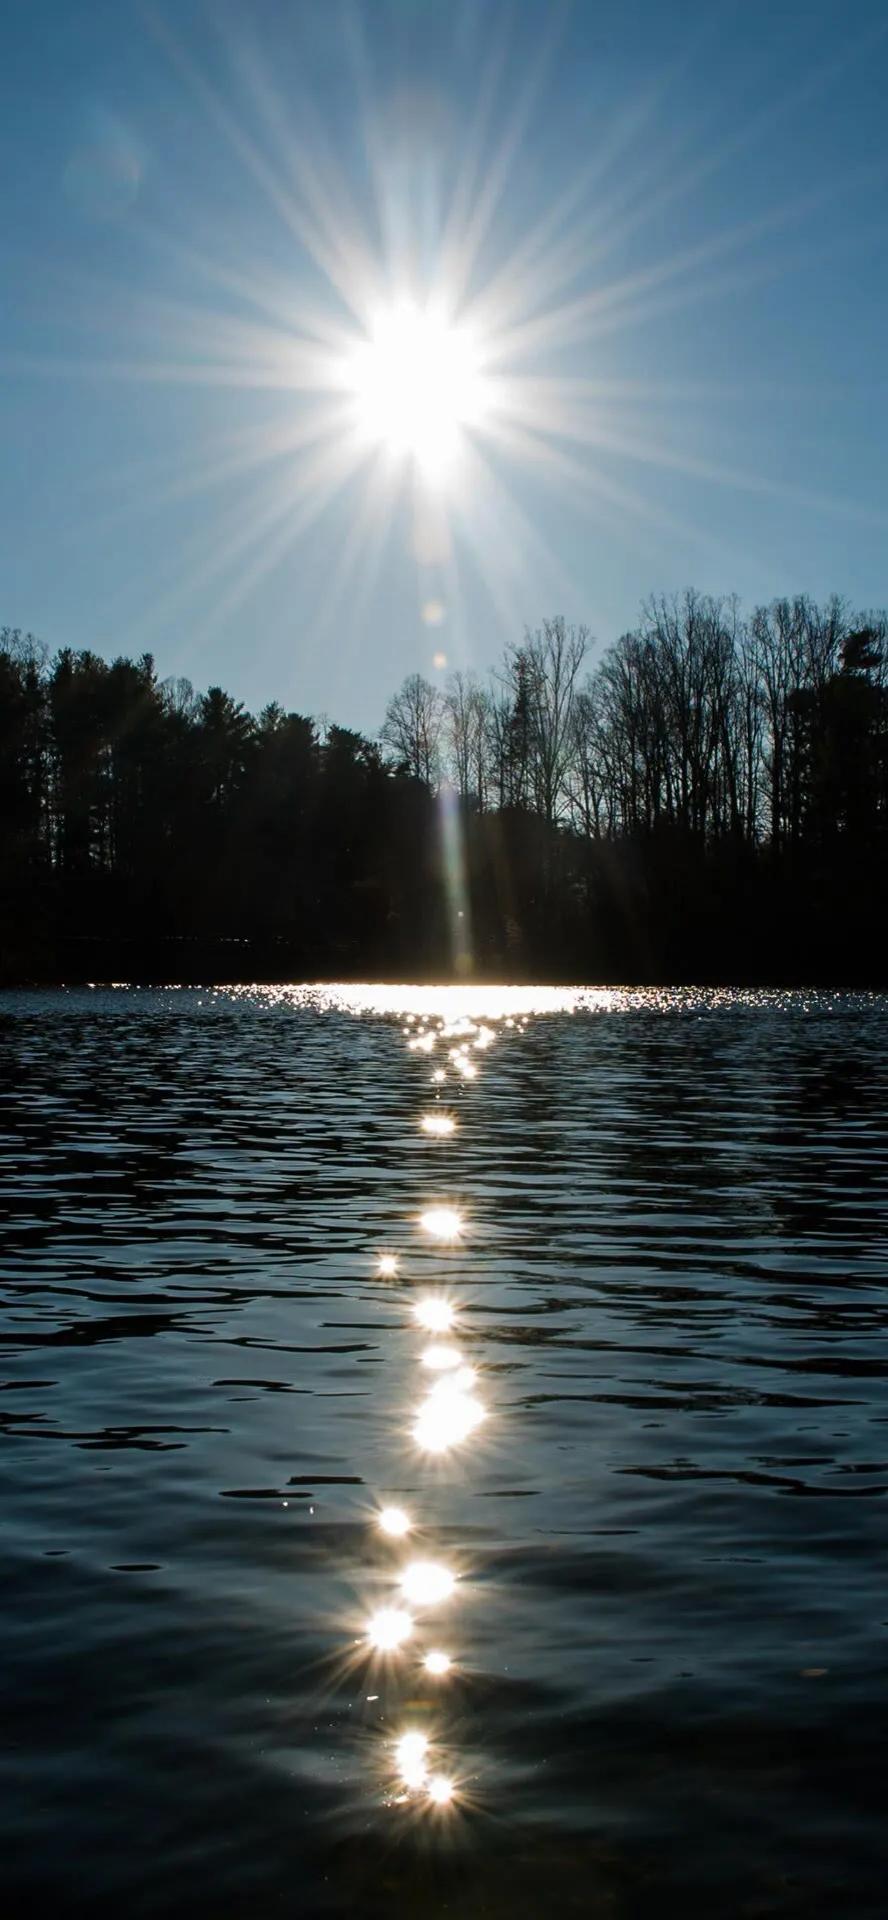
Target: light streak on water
point(451, 1410)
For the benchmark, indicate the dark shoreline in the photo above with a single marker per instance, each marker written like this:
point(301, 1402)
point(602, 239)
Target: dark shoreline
point(192, 964)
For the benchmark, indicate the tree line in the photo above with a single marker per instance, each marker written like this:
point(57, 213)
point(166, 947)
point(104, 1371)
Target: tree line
point(707, 798)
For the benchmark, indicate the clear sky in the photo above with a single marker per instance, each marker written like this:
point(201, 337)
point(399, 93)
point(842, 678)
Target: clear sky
point(628, 264)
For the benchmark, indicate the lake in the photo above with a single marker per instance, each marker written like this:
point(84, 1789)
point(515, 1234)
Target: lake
point(650, 1453)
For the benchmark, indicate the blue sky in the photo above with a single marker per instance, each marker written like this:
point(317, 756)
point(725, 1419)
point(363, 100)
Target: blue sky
point(672, 221)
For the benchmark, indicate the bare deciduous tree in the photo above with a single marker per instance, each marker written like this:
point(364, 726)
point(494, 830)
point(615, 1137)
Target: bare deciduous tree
point(412, 728)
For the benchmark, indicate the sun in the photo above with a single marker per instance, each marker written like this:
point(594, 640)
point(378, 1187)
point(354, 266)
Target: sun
point(417, 386)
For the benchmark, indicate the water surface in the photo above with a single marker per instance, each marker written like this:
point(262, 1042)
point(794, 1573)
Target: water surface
point(670, 1626)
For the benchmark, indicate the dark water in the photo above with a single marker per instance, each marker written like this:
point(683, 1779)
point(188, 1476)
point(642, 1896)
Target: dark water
point(670, 1627)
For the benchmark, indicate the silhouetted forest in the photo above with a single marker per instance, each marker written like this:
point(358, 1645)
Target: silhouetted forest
point(704, 800)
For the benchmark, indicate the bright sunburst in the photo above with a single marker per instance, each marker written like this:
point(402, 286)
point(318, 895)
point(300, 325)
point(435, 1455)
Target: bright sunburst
point(418, 387)
point(427, 323)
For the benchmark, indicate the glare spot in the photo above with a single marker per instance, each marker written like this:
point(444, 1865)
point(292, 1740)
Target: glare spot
point(440, 1789)
point(395, 1521)
point(435, 1314)
point(443, 1223)
point(437, 1663)
point(437, 1123)
point(439, 1075)
point(434, 613)
point(426, 1582)
point(386, 1266)
point(439, 660)
point(411, 1752)
point(389, 1628)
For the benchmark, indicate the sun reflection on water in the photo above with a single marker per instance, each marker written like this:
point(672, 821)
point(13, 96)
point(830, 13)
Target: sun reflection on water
point(437, 1663)
point(440, 1358)
point(410, 1752)
point(389, 1628)
point(451, 1410)
point(435, 1313)
point(443, 1223)
point(446, 1418)
point(426, 1583)
point(394, 1521)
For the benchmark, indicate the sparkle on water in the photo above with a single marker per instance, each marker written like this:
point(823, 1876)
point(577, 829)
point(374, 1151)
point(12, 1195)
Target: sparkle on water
point(437, 1663)
point(395, 1521)
point(389, 1628)
point(445, 1419)
point(440, 1358)
point(411, 1750)
point(440, 1789)
point(453, 1383)
point(425, 1583)
point(443, 1223)
point(438, 1123)
point(435, 1313)
point(386, 1266)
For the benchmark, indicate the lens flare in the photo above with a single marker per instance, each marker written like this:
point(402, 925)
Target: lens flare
point(389, 1628)
point(440, 1789)
point(395, 1521)
point(425, 1583)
